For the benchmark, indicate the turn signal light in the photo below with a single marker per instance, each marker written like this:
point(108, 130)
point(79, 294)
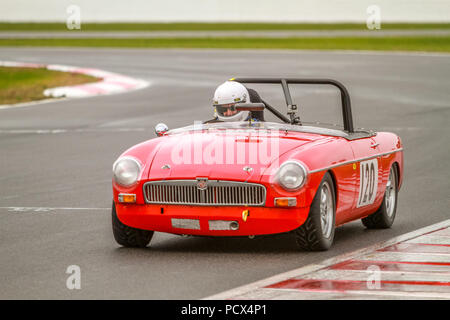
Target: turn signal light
point(127, 198)
point(285, 202)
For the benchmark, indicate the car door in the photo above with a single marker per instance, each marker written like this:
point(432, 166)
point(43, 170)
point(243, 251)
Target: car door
point(368, 167)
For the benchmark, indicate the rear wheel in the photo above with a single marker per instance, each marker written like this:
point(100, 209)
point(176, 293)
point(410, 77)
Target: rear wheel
point(384, 217)
point(317, 233)
point(128, 236)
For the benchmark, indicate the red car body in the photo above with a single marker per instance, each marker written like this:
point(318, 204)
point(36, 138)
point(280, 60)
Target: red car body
point(319, 152)
point(338, 152)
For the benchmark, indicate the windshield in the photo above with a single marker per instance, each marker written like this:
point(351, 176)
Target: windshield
point(247, 126)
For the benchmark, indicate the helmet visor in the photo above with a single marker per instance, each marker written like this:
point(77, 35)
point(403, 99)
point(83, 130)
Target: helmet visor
point(226, 110)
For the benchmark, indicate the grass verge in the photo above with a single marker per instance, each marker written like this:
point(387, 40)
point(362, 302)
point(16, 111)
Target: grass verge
point(432, 44)
point(28, 84)
point(216, 26)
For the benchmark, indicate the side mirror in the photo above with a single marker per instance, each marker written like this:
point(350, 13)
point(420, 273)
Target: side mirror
point(258, 106)
point(161, 129)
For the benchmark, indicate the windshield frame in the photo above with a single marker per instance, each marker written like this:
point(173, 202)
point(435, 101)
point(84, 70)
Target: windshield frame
point(246, 126)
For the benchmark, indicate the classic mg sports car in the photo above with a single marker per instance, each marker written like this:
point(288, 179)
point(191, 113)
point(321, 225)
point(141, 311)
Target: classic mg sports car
point(252, 178)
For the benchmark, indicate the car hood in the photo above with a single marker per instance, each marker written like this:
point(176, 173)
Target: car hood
point(238, 155)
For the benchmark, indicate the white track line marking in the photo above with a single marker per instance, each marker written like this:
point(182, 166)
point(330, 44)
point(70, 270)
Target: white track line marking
point(431, 239)
point(361, 275)
point(248, 289)
point(406, 257)
point(29, 104)
point(47, 209)
point(58, 131)
point(292, 294)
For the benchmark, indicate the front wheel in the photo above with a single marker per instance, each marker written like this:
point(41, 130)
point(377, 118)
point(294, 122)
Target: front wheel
point(317, 233)
point(384, 217)
point(128, 236)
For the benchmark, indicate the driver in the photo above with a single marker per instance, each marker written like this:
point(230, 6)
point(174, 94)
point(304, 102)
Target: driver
point(225, 98)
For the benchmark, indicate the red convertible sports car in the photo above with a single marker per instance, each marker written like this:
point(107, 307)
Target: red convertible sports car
point(252, 178)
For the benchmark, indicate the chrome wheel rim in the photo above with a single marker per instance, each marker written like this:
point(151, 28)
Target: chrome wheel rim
point(326, 210)
point(390, 194)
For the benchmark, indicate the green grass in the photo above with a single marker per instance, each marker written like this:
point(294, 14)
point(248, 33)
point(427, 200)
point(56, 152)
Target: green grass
point(28, 84)
point(434, 44)
point(215, 26)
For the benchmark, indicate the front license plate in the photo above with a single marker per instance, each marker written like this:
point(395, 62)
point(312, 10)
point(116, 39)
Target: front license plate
point(192, 224)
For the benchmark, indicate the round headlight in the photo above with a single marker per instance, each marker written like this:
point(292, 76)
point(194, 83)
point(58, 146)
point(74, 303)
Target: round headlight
point(291, 175)
point(126, 171)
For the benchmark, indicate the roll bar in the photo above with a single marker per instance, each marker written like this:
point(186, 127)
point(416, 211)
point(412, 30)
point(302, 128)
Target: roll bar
point(292, 108)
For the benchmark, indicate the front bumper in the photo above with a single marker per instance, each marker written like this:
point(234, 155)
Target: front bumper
point(260, 221)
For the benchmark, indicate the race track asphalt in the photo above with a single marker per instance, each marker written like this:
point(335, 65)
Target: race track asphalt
point(58, 157)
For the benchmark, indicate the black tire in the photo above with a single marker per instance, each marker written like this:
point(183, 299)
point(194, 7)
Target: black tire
point(313, 235)
point(384, 217)
point(127, 236)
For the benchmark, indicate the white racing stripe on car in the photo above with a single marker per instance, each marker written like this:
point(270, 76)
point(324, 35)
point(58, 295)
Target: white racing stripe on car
point(356, 160)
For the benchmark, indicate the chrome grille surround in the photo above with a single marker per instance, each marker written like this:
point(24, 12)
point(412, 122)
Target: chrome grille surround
point(217, 193)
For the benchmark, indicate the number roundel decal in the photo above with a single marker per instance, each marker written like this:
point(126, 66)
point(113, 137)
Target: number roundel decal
point(368, 183)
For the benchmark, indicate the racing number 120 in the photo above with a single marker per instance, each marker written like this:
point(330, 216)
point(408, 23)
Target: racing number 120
point(368, 182)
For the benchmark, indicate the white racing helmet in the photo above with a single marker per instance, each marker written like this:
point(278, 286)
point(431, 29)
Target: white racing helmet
point(225, 98)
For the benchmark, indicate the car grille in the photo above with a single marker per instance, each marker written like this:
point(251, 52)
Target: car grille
point(217, 193)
